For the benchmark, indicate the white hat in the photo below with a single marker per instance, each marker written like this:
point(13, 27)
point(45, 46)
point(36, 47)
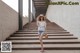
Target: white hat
point(41, 15)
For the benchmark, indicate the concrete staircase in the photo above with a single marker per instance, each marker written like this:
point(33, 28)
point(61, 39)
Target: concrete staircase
point(59, 40)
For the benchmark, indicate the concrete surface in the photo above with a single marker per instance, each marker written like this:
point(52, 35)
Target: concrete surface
point(8, 21)
point(46, 51)
point(66, 16)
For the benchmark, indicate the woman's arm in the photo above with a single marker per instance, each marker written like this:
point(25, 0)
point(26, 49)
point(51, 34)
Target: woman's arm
point(45, 24)
point(37, 22)
point(37, 18)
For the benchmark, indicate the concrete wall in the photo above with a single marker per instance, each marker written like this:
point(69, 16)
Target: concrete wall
point(25, 20)
point(8, 21)
point(67, 16)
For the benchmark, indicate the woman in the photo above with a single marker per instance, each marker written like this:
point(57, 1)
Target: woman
point(41, 23)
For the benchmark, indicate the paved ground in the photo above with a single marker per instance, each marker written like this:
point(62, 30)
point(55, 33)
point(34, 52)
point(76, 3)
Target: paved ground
point(46, 51)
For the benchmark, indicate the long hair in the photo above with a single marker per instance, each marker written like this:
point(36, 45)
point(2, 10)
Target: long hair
point(39, 19)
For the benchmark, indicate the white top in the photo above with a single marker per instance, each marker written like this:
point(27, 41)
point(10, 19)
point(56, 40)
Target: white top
point(41, 25)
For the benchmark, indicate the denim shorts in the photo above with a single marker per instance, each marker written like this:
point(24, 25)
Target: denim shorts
point(40, 32)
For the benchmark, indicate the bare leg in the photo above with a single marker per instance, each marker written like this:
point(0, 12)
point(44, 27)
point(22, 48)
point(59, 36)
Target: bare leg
point(40, 38)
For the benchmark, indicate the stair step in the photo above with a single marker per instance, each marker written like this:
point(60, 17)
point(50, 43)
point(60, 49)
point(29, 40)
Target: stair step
point(25, 35)
point(46, 51)
point(46, 46)
point(50, 37)
point(30, 35)
point(45, 41)
point(37, 32)
point(58, 39)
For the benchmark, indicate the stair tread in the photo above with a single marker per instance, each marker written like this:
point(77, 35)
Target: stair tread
point(37, 30)
point(46, 45)
point(45, 40)
point(48, 37)
point(47, 34)
point(46, 51)
point(34, 38)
